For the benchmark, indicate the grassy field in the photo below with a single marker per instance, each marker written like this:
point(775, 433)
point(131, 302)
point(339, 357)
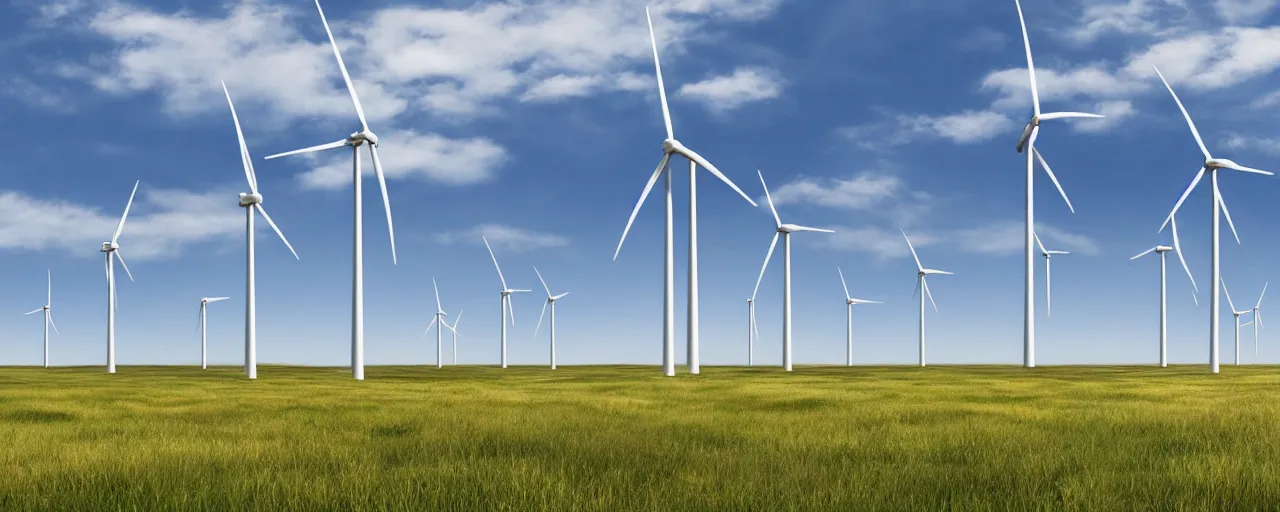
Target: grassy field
point(626, 438)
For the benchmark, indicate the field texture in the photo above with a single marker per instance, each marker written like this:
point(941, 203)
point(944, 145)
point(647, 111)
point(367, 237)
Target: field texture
point(625, 438)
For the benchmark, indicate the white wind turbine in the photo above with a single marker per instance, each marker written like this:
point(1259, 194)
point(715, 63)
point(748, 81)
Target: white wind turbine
point(506, 301)
point(551, 300)
point(1161, 249)
point(48, 317)
point(204, 329)
point(250, 202)
point(454, 329)
point(785, 231)
point(438, 322)
point(922, 284)
point(112, 250)
point(671, 146)
point(1235, 314)
point(1212, 165)
point(752, 333)
point(355, 140)
point(1028, 140)
point(1257, 318)
point(849, 301)
point(1048, 280)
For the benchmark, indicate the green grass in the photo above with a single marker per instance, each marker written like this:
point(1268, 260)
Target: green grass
point(626, 438)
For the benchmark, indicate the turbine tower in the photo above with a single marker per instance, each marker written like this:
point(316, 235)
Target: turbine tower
point(204, 330)
point(361, 138)
point(922, 284)
point(112, 250)
point(785, 231)
point(1161, 249)
point(1235, 313)
point(670, 147)
point(1028, 140)
point(1048, 280)
point(849, 301)
point(506, 301)
point(1212, 165)
point(551, 301)
point(48, 317)
point(250, 202)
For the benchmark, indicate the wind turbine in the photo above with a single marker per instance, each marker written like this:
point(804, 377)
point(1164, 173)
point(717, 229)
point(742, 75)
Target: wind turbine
point(671, 146)
point(1236, 314)
point(250, 202)
point(922, 284)
point(785, 231)
point(438, 318)
point(1257, 318)
point(506, 301)
point(355, 140)
point(849, 301)
point(112, 250)
point(48, 317)
point(204, 330)
point(1161, 249)
point(1212, 165)
point(1028, 140)
point(752, 333)
point(551, 300)
point(454, 329)
point(1048, 281)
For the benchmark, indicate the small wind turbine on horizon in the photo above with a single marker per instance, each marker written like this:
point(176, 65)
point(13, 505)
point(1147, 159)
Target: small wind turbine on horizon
point(849, 301)
point(48, 316)
point(1161, 249)
point(1236, 314)
point(551, 300)
point(752, 333)
point(1048, 279)
point(112, 250)
point(783, 230)
point(251, 202)
point(1212, 165)
point(1257, 318)
point(454, 329)
point(363, 137)
point(922, 288)
point(1028, 141)
point(204, 330)
point(506, 302)
point(671, 146)
point(437, 321)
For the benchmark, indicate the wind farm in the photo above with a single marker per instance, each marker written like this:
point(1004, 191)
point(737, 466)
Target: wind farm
point(515, 131)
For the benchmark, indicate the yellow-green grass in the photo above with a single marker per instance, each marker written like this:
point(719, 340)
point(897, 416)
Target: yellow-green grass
point(625, 438)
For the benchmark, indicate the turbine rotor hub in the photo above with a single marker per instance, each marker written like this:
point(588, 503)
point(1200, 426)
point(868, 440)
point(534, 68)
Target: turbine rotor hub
point(672, 146)
point(250, 199)
point(363, 136)
point(109, 246)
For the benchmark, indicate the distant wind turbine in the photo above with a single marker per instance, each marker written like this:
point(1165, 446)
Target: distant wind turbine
point(438, 322)
point(1212, 165)
point(1257, 319)
point(922, 287)
point(506, 301)
point(849, 301)
point(783, 230)
point(1161, 249)
point(204, 329)
point(454, 329)
point(551, 300)
point(1235, 313)
point(1048, 279)
point(48, 317)
point(1028, 141)
point(112, 250)
point(752, 333)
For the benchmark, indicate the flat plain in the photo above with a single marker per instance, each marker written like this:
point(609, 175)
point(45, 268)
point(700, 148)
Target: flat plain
point(626, 438)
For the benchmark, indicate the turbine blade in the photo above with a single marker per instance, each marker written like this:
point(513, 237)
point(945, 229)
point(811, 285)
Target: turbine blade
point(925, 283)
point(916, 290)
point(1048, 290)
point(657, 173)
point(263, 211)
point(318, 147)
point(815, 230)
point(1228, 294)
point(1177, 248)
point(1069, 115)
point(930, 271)
point(439, 308)
point(343, 67)
point(561, 296)
point(864, 301)
point(199, 316)
point(1185, 193)
point(495, 262)
point(544, 282)
point(1225, 213)
point(55, 326)
point(539, 326)
point(49, 298)
point(429, 326)
point(1260, 296)
point(1143, 253)
point(34, 311)
point(244, 148)
point(755, 329)
point(1058, 252)
point(512, 310)
point(662, 91)
point(120, 258)
point(769, 199)
point(456, 320)
point(1053, 178)
point(913, 251)
point(120, 226)
point(1239, 167)
point(217, 299)
point(702, 162)
point(1037, 237)
point(1025, 136)
point(767, 256)
point(1190, 124)
point(386, 201)
point(1031, 67)
point(842, 283)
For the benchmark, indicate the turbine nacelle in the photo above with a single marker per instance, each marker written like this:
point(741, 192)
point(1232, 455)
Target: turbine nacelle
point(249, 199)
point(1163, 248)
point(109, 246)
point(363, 136)
point(670, 146)
point(790, 228)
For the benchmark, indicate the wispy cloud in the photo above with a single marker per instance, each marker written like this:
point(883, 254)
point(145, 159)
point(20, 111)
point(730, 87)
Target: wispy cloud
point(965, 127)
point(727, 92)
point(409, 155)
point(507, 237)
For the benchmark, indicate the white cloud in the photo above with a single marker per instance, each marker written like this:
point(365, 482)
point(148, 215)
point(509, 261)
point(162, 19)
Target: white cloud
point(409, 155)
point(963, 128)
point(1268, 145)
point(859, 192)
point(1006, 237)
point(160, 225)
point(1243, 11)
point(1090, 81)
point(29, 92)
point(727, 92)
point(560, 87)
point(1212, 61)
point(1116, 111)
point(504, 237)
point(881, 243)
point(1127, 17)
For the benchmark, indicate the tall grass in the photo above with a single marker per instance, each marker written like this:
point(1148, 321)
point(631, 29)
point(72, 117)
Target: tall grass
point(626, 438)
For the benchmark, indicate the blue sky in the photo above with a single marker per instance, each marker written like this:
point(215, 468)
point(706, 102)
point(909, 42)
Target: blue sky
point(537, 123)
